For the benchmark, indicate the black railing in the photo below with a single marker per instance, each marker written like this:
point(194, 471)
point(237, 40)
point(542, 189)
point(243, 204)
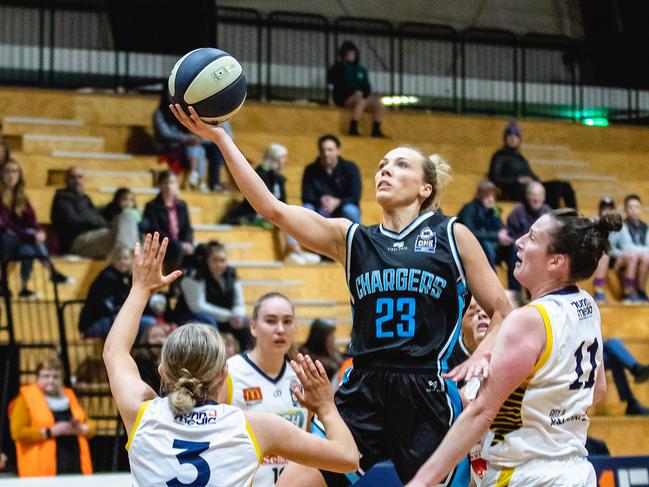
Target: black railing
point(286, 55)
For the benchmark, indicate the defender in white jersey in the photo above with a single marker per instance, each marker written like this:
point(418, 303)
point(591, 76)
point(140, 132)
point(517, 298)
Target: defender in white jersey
point(187, 438)
point(262, 379)
point(546, 366)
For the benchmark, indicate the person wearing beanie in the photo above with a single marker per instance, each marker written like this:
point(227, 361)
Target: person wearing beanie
point(511, 173)
point(352, 89)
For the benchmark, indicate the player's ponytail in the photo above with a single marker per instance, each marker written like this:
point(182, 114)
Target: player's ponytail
point(582, 239)
point(437, 173)
point(191, 358)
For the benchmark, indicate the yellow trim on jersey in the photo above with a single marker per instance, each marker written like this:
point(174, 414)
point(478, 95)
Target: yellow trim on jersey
point(505, 477)
point(549, 338)
point(228, 380)
point(253, 438)
point(138, 418)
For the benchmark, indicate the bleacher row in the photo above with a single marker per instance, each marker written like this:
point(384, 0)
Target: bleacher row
point(48, 131)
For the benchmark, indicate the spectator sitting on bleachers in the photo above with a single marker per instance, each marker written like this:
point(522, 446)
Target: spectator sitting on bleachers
point(321, 345)
point(618, 359)
point(122, 199)
point(270, 171)
point(511, 173)
point(523, 216)
point(106, 296)
point(332, 185)
point(4, 150)
point(482, 217)
point(352, 90)
point(211, 293)
point(147, 353)
point(49, 426)
point(172, 137)
point(169, 216)
point(20, 235)
point(80, 227)
point(599, 277)
point(630, 247)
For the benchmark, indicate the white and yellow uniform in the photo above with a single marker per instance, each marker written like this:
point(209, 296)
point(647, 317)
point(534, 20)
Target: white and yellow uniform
point(250, 388)
point(538, 436)
point(213, 445)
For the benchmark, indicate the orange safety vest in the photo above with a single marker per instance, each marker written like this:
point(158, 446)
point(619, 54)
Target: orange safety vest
point(39, 459)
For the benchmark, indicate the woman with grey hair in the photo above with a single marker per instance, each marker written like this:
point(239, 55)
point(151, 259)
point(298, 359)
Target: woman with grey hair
point(270, 171)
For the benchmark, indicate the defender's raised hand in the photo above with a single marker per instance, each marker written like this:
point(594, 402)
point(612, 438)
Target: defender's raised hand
point(316, 394)
point(147, 265)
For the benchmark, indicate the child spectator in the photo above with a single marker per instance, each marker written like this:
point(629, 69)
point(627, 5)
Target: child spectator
point(123, 200)
point(20, 235)
point(49, 426)
point(352, 90)
point(80, 227)
point(332, 185)
point(321, 345)
point(630, 247)
point(169, 216)
point(211, 293)
point(106, 296)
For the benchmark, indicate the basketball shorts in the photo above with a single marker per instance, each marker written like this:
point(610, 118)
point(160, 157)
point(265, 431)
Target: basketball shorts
point(543, 472)
point(398, 414)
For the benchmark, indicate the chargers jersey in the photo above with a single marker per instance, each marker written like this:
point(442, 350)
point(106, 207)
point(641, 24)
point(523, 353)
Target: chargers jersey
point(408, 292)
point(250, 388)
point(546, 415)
point(211, 446)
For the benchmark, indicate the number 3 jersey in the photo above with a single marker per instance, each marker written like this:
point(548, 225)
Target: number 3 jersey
point(250, 388)
point(408, 292)
point(546, 415)
point(212, 445)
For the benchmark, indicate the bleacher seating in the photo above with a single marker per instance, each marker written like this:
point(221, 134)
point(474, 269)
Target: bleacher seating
point(51, 130)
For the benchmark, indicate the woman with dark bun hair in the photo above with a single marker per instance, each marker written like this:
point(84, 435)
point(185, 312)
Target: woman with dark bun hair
point(546, 368)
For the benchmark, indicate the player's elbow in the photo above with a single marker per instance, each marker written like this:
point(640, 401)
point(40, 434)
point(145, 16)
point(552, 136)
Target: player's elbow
point(271, 211)
point(349, 462)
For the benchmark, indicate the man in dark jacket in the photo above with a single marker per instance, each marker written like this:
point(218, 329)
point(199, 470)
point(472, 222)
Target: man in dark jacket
point(352, 90)
point(106, 296)
point(169, 216)
point(332, 185)
point(482, 217)
point(80, 227)
point(511, 173)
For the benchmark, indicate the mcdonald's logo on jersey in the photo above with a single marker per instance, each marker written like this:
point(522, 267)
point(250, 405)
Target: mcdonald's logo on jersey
point(252, 394)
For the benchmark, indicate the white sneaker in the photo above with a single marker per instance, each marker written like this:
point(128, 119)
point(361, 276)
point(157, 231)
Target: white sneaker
point(311, 258)
point(193, 178)
point(203, 188)
point(296, 258)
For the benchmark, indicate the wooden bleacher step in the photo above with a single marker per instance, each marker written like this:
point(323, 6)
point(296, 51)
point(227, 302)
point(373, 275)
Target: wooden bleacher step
point(46, 144)
point(623, 435)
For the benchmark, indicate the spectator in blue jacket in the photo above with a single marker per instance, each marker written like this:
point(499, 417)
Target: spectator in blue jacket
point(332, 185)
point(352, 89)
point(482, 217)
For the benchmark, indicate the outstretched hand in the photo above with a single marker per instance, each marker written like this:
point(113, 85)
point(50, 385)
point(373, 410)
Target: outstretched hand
point(316, 392)
point(147, 265)
point(476, 365)
point(195, 124)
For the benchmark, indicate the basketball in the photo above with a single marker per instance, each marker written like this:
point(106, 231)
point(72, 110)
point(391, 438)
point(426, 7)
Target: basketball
point(210, 80)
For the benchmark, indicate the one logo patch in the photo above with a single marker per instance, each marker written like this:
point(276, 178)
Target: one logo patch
point(426, 241)
point(252, 394)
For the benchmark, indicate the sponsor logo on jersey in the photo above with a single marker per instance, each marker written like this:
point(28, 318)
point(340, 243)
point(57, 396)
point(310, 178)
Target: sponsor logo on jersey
point(293, 385)
point(252, 395)
point(398, 247)
point(197, 418)
point(277, 393)
point(584, 308)
point(426, 241)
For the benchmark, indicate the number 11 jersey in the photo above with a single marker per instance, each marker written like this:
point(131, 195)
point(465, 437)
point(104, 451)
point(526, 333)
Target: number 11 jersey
point(408, 293)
